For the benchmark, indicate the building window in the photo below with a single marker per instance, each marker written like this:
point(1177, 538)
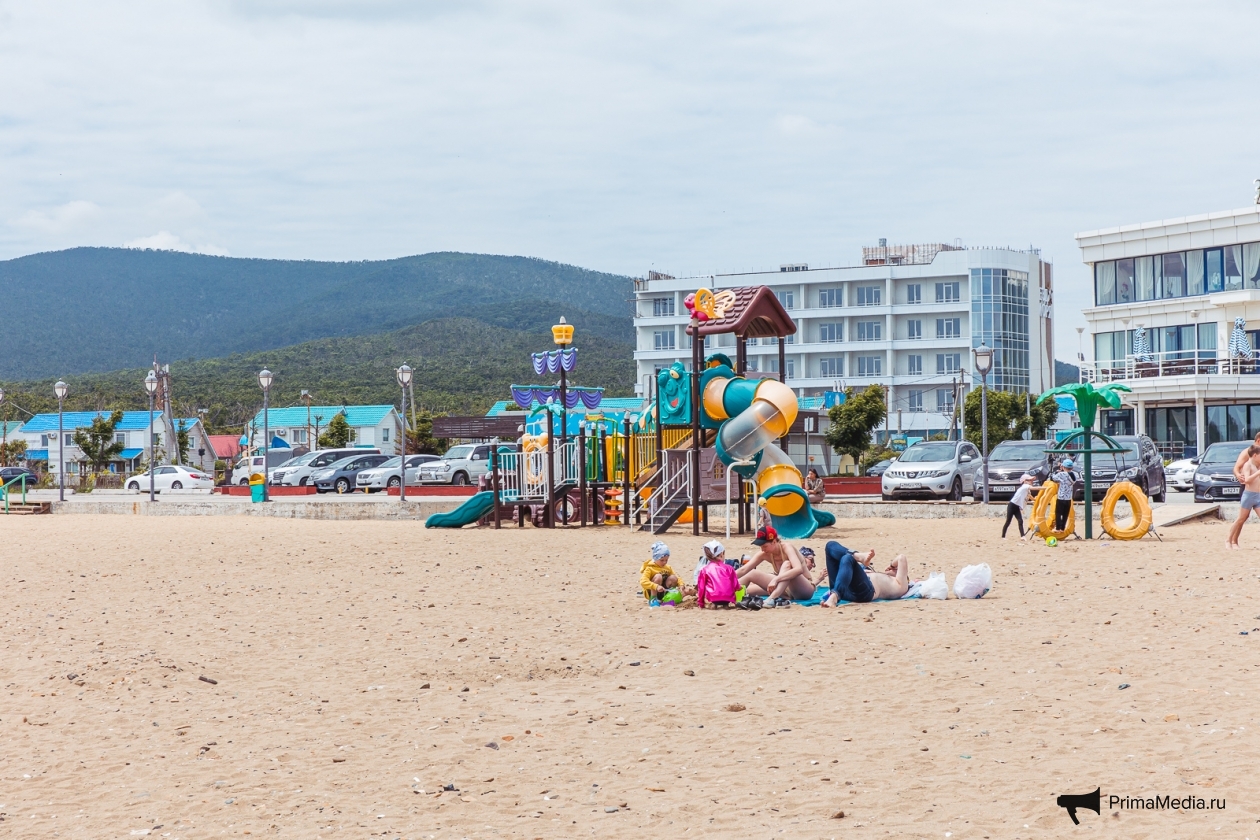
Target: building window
point(663, 307)
point(385, 435)
point(663, 340)
point(869, 295)
point(831, 367)
point(299, 435)
point(1000, 319)
point(831, 333)
point(830, 298)
point(914, 365)
point(43, 441)
point(914, 329)
point(948, 327)
point(751, 364)
point(948, 362)
point(790, 364)
point(916, 401)
point(69, 438)
point(947, 293)
point(914, 293)
point(869, 330)
point(120, 437)
point(870, 365)
point(788, 299)
point(945, 400)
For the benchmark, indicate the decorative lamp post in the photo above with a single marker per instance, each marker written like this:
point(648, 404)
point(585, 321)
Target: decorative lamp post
point(60, 390)
point(264, 379)
point(4, 434)
point(984, 364)
point(562, 335)
point(404, 379)
point(151, 385)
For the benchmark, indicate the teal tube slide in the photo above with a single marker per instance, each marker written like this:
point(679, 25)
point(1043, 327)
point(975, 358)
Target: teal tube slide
point(466, 514)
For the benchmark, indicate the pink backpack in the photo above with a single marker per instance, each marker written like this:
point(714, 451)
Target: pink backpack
point(716, 582)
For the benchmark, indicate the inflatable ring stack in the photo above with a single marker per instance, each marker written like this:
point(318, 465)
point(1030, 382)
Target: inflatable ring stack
point(1043, 513)
point(1141, 511)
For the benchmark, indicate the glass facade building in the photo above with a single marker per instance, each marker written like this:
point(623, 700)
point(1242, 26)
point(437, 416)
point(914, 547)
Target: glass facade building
point(999, 318)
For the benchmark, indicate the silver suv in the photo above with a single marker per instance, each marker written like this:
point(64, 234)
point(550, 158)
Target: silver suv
point(460, 465)
point(936, 469)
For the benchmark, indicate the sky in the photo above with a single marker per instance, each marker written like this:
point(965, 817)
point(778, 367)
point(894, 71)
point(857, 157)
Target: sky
point(689, 138)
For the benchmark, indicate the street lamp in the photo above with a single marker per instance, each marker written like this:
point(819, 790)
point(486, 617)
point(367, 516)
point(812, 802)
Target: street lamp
point(1080, 355)
point(60, 390)
point(151, 385)
point(562, 335)
point(984, 363)
point(403, 375)
point(4, 435)
point(264, 379)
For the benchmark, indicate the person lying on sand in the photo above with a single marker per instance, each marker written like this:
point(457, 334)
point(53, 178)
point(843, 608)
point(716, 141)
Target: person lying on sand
point(656, 577)
point(853, 577)
point(790, 578)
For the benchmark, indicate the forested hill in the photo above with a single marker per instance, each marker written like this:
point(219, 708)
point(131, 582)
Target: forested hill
point(99, 309)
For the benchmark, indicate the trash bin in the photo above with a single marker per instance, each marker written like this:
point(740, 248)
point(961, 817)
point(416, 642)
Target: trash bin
point(257, 488)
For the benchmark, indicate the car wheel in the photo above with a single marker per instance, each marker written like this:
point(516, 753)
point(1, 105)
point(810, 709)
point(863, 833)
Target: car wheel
point(134, 486)
point(245, 482)
point(343, 485)
point(302, 482)
point(1162, 495)
point(394, 482)
point(955, 492)
point(175, 485)
point(460, 479)
point(885, 497)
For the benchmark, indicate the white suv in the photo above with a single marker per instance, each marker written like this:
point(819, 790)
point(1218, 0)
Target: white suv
point(460, 465)
point(937, 469)
point(297, 471)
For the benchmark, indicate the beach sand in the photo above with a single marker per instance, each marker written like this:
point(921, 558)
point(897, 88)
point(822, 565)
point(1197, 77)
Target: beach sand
point(363, 666)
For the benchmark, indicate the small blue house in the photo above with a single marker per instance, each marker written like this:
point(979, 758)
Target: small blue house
point(40, 433)
point(370, 425)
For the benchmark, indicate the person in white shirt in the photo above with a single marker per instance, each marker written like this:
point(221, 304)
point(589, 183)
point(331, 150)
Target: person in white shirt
point(1015, 507)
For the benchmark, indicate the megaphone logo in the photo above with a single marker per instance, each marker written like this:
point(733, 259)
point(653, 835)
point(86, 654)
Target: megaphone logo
point(1072, 801)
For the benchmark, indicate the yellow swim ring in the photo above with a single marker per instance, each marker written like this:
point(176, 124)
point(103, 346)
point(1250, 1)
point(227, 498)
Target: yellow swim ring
point(1043, 513)
point(1141, 511)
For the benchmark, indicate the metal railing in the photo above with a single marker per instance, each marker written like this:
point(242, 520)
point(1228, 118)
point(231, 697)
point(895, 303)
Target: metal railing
point(1166, 363)
point(7, 489)
point(675, 483)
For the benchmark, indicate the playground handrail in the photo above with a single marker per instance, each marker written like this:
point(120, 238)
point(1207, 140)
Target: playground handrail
point(5, 489)
point(676, 479)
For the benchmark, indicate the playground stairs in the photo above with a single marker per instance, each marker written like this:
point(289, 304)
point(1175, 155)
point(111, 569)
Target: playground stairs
point(27, 508)
point(649, 475)
point(665, 516)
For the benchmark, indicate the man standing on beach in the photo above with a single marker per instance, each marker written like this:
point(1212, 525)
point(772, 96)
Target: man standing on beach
point(1249, 474)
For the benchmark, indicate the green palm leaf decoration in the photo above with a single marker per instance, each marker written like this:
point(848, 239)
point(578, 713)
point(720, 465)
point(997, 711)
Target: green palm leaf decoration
point(1088, 398)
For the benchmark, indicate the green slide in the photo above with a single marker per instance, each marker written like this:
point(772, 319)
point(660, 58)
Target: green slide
point(467, 513)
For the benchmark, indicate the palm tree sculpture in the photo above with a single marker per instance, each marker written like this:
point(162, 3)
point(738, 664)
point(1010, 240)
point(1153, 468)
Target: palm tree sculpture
point(1088, 400)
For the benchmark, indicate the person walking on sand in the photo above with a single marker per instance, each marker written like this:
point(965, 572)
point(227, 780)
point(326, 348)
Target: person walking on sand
point(853, 578)
point(1249, 474)
point(1243, 457)
point(1015, 507)
point(1066, 479)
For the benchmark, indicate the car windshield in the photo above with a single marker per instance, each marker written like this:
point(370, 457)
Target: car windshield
point(343, 463)
point(455, 453)
point(392, 462)
point(1022, 451)
point(301, 460)
point(1224, 453)
point(922, 452)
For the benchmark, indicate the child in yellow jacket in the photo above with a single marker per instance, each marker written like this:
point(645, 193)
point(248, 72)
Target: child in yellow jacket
point(656, 577)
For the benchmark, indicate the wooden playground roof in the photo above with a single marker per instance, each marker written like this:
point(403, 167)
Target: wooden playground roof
point(756, 313)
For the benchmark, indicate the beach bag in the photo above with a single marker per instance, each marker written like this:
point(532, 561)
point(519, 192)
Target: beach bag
point(934, 587)
point(973, 581)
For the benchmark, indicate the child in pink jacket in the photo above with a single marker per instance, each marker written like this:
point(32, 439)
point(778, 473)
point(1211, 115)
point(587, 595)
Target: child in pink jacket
point(716, 582)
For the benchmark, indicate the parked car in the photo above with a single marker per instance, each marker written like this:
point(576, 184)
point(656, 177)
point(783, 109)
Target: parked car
point(296, 472)
point(1179, 475)
point(1012, 459)
point(248, 465)
point(172, 477)
point(461, 465)
point(1140, 463)
point(877, 470)
point(342, 475)
point(386, 475)
point(936, 469)
point(1214, 472)
point(7, 474)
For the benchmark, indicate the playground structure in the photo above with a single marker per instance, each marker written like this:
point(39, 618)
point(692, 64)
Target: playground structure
point(710, 437)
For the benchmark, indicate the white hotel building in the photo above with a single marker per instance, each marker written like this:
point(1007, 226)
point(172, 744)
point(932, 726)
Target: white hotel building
point(907, 319)
point(1183, 282)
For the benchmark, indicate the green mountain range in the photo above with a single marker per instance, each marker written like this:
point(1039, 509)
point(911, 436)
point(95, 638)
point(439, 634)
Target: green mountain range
point(469, 323)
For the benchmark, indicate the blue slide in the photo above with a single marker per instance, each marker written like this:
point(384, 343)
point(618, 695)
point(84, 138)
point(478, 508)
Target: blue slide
point(467, 513)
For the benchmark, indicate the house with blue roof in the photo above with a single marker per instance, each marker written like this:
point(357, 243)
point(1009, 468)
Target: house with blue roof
point(133, 432)
point(370, 425)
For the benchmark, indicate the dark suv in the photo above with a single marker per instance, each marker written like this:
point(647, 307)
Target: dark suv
point(1010, 460)
point(1140, 463)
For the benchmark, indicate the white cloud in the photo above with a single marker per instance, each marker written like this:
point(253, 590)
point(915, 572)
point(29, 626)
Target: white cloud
point(164, 240)
point(60, 220)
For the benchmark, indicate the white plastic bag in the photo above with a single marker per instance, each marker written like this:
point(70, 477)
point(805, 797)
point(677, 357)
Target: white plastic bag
point(934, 587)
point(973, 581)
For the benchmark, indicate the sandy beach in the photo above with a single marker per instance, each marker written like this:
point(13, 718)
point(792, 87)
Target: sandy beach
point(377, 679)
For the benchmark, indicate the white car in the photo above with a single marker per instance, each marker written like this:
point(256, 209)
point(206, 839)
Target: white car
point(386, 475)
point(172, 477)
point(1179, 475)
point(460, 465)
